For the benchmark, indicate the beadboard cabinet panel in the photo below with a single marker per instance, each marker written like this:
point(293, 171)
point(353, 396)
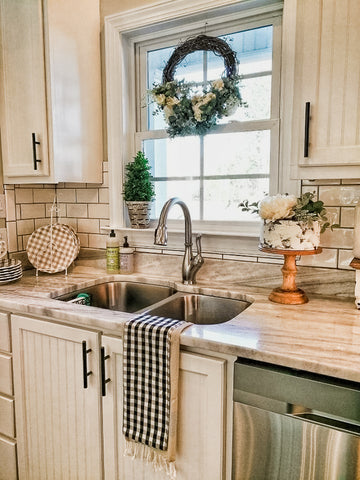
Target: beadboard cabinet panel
point(51, 79)
point(58, 421)
point(200, 449)
point(327, 74)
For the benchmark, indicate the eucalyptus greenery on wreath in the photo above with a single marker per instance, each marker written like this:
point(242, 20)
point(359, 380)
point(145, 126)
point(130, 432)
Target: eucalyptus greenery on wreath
point(138, 191)
point(189, 109)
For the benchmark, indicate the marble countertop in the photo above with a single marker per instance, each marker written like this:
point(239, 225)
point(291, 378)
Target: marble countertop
point(322, 336)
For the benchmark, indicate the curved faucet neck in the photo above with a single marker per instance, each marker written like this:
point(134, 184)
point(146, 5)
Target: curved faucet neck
point(164, 215)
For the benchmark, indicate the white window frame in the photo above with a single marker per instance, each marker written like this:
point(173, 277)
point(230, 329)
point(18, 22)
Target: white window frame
point(121, 35)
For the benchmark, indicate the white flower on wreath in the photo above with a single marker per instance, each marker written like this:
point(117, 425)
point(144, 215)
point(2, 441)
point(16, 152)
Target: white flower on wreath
point(168, 111)
point(208, 97)
point(160, 99)
point(197, 112)
point(171, 101)
point(201, 100)
point(277, 207)
point(218, 84)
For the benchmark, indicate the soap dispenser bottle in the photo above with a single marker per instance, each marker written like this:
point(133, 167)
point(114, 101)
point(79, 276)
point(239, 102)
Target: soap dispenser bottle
point(126, 258)
point(112, 253)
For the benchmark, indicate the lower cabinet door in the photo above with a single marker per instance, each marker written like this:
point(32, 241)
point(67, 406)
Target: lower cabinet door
point(200, 449)
point(8, 470)
point(58, 421)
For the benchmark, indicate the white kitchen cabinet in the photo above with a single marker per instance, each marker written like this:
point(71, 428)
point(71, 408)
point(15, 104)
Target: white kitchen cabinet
point(322, 42)
point(58, 421)
point(202, 412)
point(8, 459)
point(51, 87)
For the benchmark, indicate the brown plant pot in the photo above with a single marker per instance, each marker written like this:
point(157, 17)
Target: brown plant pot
point(139, 214)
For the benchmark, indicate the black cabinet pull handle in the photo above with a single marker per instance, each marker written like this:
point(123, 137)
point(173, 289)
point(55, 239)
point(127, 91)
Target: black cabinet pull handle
point(85, 352)
point(307, 125)
point(34, 143)
point(104, 380)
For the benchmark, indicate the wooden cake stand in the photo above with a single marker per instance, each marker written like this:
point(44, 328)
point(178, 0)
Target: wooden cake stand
point(289, 294)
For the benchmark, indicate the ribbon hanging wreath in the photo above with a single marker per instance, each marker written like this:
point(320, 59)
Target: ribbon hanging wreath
point(188, 113)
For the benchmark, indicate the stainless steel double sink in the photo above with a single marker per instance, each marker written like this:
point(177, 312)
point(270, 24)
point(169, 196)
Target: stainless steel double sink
point(163, 301)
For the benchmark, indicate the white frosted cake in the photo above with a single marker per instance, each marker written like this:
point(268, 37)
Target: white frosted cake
point(290, 234)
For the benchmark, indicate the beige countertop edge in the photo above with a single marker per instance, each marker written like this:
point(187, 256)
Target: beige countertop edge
point(322, 336)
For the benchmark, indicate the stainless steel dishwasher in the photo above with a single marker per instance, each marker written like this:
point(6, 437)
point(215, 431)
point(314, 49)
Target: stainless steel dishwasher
point(292, 425)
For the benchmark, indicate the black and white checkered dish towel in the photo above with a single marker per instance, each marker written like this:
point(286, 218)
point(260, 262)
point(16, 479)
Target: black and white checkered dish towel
point(147, 382)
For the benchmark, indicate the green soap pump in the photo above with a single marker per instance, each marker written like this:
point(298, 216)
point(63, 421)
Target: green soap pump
point(112, 253)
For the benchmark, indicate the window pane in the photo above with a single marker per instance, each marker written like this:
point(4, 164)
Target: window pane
point(187, 190)
point(237, 153)
point(222, 197)
point(253, 48)
point(178, 157)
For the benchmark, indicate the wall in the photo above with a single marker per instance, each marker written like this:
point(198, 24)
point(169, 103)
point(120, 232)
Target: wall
point(86, 208)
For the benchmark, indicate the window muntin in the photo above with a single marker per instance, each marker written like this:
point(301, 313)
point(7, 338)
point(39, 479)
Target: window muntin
point(211, 173)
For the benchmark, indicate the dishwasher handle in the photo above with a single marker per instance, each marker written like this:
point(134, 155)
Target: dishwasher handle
point(324, 421)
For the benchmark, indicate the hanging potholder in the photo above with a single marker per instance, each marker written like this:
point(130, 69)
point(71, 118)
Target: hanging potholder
point(53, 248)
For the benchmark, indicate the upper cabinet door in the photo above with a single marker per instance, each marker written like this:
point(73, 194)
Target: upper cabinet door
point(51, 76)
point(327, 75)
point(23, 94)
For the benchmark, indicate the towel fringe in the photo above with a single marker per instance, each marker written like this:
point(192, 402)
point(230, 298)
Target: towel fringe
point(155, 457)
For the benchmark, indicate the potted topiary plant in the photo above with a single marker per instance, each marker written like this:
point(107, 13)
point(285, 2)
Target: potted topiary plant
point(138, 191)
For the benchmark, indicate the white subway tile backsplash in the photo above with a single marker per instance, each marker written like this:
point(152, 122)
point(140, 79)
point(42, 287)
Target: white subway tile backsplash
point(311, 189)
point(66, 195)
point(84, 239)
point(321, 182)
point(88, 195)
point(103, 195)
point(327, 258)
point(32, 210)
point(97, 241)
point(24, 195)
point(41, 222)
point(98, 210)
point(347, 216)
point(339, 195)
point(88, 225)
point(86, 208)
point(105, 179)
point(10, 205)
point(77, 210)
point(60, 210)
point(11, 236)
point(45, 195)
point(25, 226)
point(338, 238)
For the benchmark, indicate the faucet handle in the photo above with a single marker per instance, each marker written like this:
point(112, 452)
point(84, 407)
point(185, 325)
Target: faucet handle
point(198, 244)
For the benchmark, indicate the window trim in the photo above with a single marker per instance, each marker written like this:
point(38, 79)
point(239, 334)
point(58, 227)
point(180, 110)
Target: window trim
point(121, 33)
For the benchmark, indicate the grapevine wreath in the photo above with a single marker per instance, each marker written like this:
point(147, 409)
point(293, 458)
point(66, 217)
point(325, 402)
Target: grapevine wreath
point(189, 113)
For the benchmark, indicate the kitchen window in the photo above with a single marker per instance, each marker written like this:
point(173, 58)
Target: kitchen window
point(239, 159)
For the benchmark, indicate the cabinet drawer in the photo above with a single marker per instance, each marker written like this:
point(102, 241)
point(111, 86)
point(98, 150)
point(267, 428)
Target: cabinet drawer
point(8, 469)
point(5, 374)
point(7, 416)
point(4, 332)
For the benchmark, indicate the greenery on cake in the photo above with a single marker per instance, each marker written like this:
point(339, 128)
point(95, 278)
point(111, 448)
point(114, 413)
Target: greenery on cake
point(305, 209)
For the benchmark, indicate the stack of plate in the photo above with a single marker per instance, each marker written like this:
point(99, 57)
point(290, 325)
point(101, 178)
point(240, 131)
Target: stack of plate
point(10, 270)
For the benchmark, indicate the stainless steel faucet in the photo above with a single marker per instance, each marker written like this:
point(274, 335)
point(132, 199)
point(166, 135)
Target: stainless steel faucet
point(191, 264)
